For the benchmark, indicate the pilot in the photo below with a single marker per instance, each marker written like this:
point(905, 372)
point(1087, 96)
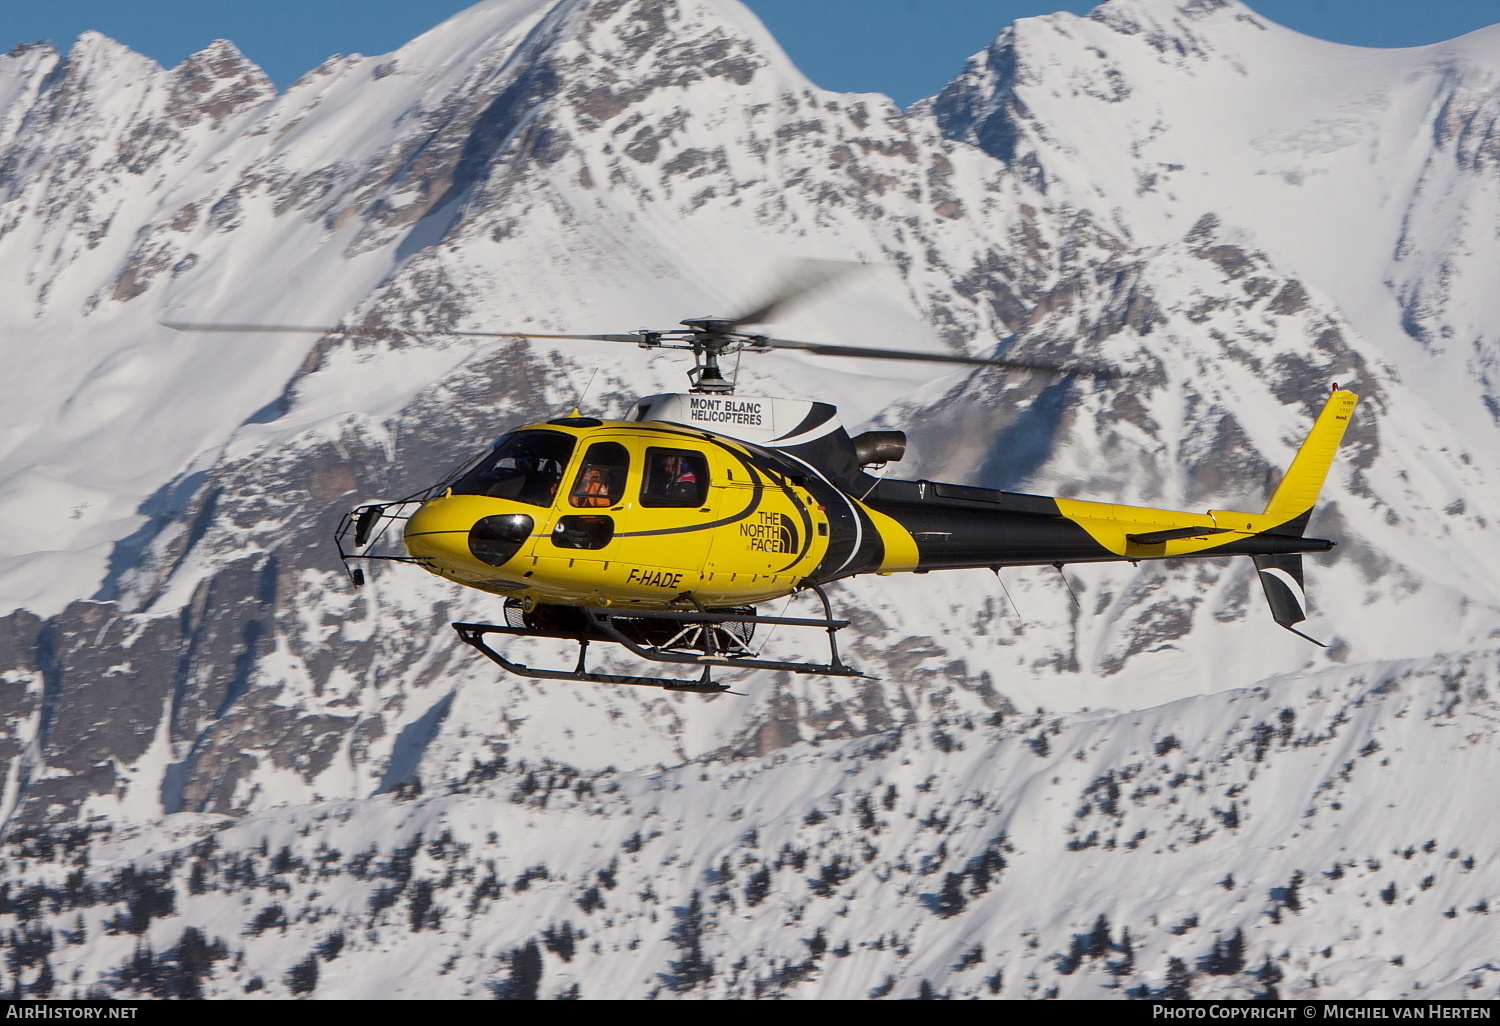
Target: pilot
point(538, 474)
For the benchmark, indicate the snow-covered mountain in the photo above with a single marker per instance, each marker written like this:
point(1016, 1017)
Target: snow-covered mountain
point(1239, 214)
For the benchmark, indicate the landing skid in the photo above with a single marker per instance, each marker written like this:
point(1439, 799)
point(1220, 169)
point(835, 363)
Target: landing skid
point(701, 639)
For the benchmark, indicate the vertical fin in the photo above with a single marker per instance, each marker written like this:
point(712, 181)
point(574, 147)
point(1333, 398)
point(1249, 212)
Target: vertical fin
point(1281, 576)
point(1299, 488)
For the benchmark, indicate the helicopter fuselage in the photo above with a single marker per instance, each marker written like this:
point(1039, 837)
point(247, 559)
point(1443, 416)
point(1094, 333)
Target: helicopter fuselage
point(746, 526)
point(632, 515)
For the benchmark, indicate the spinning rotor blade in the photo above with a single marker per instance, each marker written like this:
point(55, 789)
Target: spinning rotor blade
point(803, 277)
point(283, 329)
point(637, 338)
point(871, 353)
point(688, 340)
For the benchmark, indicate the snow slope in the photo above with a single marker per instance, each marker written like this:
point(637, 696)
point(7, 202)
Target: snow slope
point(1278, 841)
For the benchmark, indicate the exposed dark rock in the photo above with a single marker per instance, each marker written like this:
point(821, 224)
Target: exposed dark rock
point(1292, 298)
point(215, 83)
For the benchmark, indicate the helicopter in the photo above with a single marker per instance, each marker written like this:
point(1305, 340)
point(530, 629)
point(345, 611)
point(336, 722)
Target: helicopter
point(662, 532)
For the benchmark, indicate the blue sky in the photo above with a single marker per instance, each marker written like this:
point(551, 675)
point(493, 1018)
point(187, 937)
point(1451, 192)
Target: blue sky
point(904, 48)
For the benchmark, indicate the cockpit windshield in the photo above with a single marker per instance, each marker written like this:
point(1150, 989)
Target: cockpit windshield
point(525, 465)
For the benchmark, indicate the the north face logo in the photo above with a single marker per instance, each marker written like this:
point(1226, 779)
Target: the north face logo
point(771, 532)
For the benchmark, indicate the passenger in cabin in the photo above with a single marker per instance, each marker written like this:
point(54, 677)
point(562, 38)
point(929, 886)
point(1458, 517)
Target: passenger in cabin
point(592, 490)
point(684, 483)
point(675, 478)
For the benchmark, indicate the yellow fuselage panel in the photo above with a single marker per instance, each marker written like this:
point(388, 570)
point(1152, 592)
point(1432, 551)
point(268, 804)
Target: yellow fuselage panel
point(900, 547)
point(438, 533)
point(1109, 524)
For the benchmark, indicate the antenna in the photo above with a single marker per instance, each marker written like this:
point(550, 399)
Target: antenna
point(1064, 576)
point(579, 404)
point(1015, 609)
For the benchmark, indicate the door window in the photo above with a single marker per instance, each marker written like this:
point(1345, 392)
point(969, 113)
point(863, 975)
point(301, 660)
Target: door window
point(601, 480)
point(675, 477)
point(583, 532)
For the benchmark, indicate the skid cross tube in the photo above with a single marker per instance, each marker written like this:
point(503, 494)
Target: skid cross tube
point(602, 620)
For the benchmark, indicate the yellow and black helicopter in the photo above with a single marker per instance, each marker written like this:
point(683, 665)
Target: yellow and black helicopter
point(663, 531)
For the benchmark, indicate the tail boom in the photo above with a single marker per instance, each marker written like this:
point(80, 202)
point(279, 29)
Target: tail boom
point(941, 526)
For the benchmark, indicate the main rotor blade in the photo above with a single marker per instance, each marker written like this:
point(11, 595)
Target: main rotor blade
point(871, 353)
point(375, 332)
point(803, 277)
point(281, 329)
point(675, 339)
point(635, 338)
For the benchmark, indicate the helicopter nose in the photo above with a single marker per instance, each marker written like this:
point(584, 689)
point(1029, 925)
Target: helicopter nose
point(495, 539)
point(459, 531)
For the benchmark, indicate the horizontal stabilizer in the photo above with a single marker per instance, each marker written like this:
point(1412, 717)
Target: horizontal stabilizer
point(1162, 537)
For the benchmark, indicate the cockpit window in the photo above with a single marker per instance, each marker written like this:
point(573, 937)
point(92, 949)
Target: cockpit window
point(525, 465)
